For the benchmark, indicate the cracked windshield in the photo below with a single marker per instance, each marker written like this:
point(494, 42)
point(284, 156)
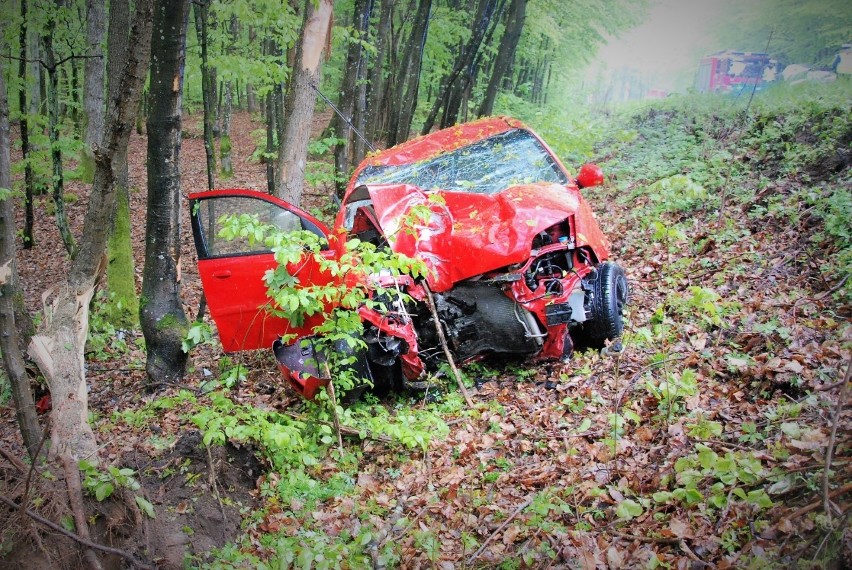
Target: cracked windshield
point(485, 167)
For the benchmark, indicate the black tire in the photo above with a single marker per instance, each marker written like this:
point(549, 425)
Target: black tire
point(610, 294)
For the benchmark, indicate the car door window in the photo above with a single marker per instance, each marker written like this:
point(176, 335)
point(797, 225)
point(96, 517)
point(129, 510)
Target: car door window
point(212, 211)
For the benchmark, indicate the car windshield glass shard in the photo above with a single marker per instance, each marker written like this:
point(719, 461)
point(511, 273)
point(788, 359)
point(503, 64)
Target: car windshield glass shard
point(485, 167)
point(213, 213)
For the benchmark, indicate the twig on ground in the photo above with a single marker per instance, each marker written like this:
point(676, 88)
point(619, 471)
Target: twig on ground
point(215, 485)
point(645, 539)
point(440, 330)
point(694, 557)
point(829, 455)
point(506, 522)
point(26, 498)
point(85, 542)
point(334, 416)
point(16, 463)
point(75, 499)
point(834, 289)
point(815, 505)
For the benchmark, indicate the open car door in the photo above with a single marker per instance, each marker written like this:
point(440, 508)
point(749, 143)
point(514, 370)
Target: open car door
point(232, 271)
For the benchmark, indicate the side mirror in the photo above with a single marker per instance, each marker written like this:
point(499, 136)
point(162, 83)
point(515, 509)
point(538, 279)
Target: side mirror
point(590, 175)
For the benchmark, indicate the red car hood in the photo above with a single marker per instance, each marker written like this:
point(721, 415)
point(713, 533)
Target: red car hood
point(470, 234)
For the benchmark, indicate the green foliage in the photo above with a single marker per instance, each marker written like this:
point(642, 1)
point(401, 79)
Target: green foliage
point(351, 285)
point(101, 484)
point(199, 333)
point(672, 389)
point(676, 194)
point(106, 340)
point(260, 153)
point(720, 476)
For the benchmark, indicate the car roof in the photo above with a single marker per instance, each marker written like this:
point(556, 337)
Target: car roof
point(438, 142)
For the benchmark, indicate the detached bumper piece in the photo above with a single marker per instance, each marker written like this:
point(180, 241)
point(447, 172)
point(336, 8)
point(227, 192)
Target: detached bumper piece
point(300, 364)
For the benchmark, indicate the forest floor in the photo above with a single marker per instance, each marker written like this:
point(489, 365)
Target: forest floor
point(701, 445)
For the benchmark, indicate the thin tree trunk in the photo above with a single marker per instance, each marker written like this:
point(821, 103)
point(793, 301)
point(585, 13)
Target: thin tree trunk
point(377, 74)
point(480, 24)
point(359, 115)
point(346, 100)
point(202, 12)
point(299, 106)
point(10, 295)
point(74, 98)
point(460, 92)
point(164, 322)
point(216, 99)
point(505, 55)
point(93, 82)
point(409, 83)
point(251, 98)
point(225, 142)
point(56, 151)
point(29, 218)
point(270, 143)
point(58, 346)
point(225, 139)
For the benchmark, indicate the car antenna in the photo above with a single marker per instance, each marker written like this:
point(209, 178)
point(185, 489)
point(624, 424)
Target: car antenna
point(348, 122)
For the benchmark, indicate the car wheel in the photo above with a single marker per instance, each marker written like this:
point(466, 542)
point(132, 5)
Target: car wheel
point(610, 294)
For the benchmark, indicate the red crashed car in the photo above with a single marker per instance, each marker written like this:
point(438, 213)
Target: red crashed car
point(518, 264)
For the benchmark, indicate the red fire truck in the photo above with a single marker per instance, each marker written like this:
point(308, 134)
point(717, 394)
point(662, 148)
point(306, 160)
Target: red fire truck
point(733, 71)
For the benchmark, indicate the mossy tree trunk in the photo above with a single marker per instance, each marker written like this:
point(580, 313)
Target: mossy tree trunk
point(163, 320)
point(57, 347)
point(121, 274)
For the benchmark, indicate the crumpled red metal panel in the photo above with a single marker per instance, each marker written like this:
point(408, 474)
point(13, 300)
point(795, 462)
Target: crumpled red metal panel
point(470, 234)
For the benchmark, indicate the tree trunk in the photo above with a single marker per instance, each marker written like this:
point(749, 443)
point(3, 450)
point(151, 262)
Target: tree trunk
point(93, 81)
point(225, 142)
point(251, 98)
point(56, 151)
point(409, 85)
point(459, 94)
point(485, 11)
point(164, 322)
point(228, 90)
point(58, 346)
point(376, 95)
point(505, 55)
point(270, 143)
point(299, 106)
point(29, 218)
point(202, 13)
point(359, 115)
point(121, 273)
point(347, 98)
point(10, 294)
